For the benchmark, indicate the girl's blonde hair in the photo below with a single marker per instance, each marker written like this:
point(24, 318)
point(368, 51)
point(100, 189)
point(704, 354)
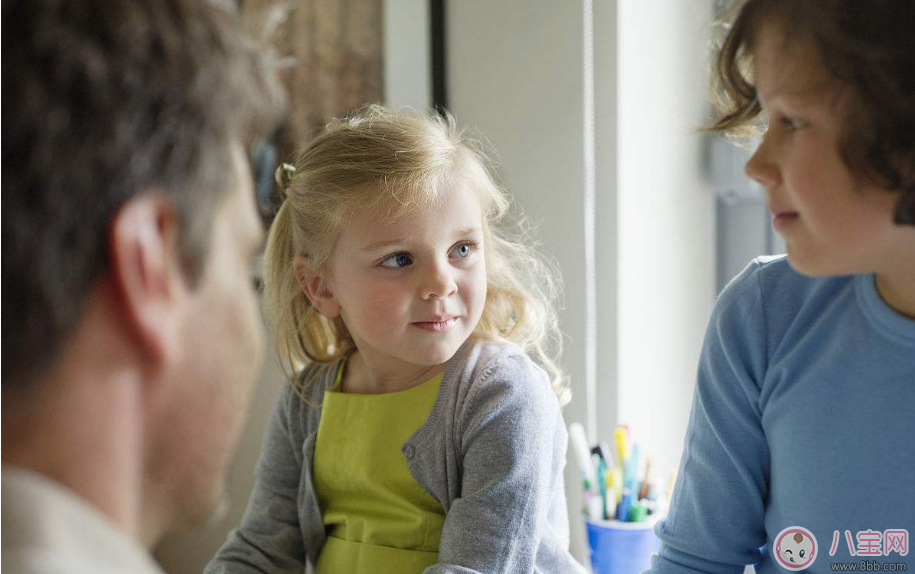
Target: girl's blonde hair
point(393, 161)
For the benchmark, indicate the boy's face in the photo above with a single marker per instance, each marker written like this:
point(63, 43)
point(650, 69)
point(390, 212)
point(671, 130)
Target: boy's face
point(410, 291)
point(833, 222)
point(222, 338)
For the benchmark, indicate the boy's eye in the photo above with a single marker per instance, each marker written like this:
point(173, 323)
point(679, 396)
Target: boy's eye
point(396, 260)
point(791, 123)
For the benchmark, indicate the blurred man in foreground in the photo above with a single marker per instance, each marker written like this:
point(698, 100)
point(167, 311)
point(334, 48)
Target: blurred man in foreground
point(131, 333)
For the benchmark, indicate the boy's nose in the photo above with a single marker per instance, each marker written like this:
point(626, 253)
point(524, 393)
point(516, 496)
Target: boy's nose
point(438, 283)
point(761, 168)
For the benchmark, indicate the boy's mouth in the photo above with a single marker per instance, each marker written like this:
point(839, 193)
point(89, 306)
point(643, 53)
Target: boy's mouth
point(782, 218)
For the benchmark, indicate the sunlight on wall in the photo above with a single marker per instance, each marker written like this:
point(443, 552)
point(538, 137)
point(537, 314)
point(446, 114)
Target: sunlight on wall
point(666, 219)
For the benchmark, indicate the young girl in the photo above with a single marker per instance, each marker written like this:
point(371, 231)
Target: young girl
point(419, 436)
point(799, 451)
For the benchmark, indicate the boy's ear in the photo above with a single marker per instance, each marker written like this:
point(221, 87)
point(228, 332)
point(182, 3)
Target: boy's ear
point(146, 272)
point(316, 288)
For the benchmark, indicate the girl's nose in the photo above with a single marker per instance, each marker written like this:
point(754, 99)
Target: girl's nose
point(762, 168)
point(438, 283)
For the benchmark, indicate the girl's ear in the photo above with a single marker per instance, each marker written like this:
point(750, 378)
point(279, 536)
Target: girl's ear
point(316, 289)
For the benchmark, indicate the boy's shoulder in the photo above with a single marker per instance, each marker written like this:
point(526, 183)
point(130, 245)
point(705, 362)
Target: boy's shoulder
point(770, 289)
point(768, 270)
point(774, 279)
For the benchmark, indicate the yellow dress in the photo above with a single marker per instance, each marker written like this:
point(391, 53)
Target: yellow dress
point(378, 518)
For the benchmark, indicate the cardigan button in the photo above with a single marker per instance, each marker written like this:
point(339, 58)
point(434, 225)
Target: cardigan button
point(410, 452)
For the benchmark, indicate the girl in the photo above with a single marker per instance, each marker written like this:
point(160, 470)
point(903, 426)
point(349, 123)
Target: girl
point(799, 450)
point(419, 436)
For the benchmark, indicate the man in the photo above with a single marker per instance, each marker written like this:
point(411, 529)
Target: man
point(131, 333)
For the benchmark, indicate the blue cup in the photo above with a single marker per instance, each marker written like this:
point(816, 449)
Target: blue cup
point(621, 547)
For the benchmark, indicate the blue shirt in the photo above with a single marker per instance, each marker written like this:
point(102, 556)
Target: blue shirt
point(804, 416)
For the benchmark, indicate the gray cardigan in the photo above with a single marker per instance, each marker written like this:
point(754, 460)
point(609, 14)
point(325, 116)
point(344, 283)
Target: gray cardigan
point(492, 452)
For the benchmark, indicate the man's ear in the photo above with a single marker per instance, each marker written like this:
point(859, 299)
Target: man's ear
point(316, 288)
point(146, 271)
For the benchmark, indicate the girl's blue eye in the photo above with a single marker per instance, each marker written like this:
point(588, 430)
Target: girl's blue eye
point(462, 251)
point(396, 261)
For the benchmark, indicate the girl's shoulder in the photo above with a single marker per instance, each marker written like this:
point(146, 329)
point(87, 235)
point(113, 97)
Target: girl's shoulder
point(489, 368)
point(484, 357)
point(496, 389)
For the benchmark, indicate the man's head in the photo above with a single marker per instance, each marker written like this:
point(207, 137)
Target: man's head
point(129, 218)
point(103, 101)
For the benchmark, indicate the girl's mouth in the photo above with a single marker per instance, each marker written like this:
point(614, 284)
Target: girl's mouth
point(438, 325)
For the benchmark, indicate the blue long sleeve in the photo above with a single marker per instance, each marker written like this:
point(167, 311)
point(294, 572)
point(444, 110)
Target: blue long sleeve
point(803, 416)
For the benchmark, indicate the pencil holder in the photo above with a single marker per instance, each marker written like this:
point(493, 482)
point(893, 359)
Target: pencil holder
point(621, 547)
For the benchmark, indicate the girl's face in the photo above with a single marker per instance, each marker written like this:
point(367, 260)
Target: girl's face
point(410, 291)
point(833, 222)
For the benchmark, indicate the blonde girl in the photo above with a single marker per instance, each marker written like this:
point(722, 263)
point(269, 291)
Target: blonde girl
point(418, 435)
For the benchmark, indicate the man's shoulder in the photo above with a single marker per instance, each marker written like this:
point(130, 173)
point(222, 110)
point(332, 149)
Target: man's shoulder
point(48, 528)
point(49, 561)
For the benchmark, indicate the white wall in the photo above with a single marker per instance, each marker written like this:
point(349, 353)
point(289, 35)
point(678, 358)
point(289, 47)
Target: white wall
point(407, 59)
point(666, 218)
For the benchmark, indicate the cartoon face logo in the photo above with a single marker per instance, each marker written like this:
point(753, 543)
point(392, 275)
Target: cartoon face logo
point(795, 548)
